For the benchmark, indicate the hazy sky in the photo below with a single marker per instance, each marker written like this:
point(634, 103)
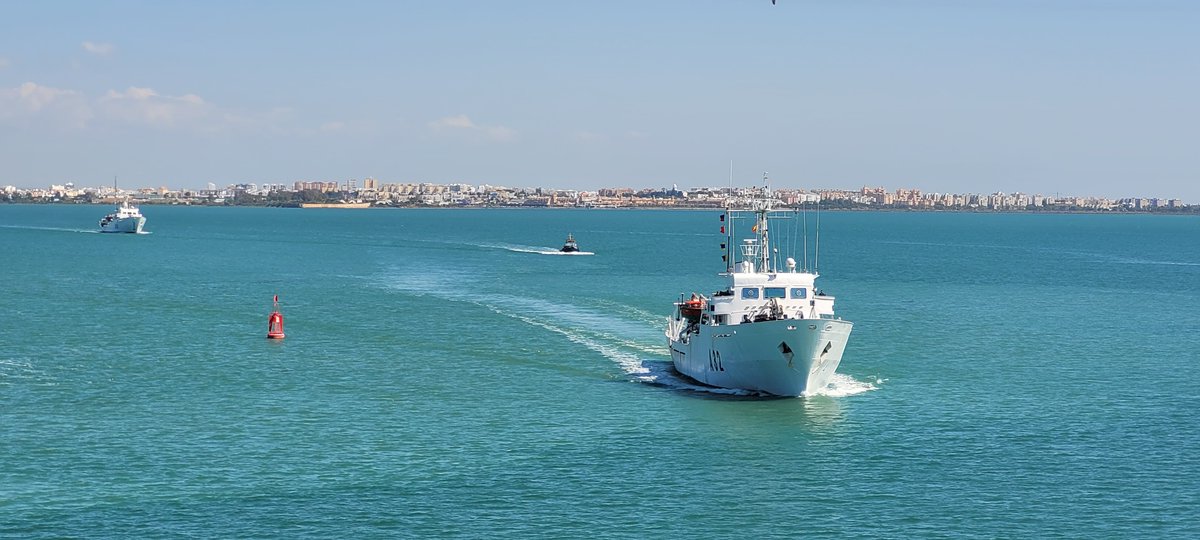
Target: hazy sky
point(1085, 97)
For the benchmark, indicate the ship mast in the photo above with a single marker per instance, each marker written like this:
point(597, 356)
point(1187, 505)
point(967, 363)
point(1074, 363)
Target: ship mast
point(761, 208)
point(727, 228)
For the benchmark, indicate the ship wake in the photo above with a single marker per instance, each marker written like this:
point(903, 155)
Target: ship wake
point(634, 344)
point(539, 250)
point(56, 229)
point(629, 337)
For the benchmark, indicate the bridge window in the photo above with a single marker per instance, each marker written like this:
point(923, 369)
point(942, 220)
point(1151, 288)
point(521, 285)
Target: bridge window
point(750, 293)
point(799, 292)
point(774, 292)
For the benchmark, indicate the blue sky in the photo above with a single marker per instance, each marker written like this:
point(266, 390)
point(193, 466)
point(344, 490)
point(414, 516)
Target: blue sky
point(1083, 97)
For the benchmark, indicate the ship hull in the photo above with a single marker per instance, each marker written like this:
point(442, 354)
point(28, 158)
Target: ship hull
point(786, 357)
point(124, 225)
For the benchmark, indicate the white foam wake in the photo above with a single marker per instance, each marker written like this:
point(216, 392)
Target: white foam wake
point(22, 371)
point(1154, 262)
point(641, 315)
point(627, 361)
point(615, 338)
point(842, 385)
point(58, 229)
point(630, 344)
point(537, 250)
point(546, 251)
point(663, 374)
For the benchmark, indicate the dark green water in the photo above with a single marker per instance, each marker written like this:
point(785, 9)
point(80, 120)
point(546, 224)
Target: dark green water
point(1008, 376)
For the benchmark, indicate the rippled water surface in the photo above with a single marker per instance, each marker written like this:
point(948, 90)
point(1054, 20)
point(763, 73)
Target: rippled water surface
point(1008, 376)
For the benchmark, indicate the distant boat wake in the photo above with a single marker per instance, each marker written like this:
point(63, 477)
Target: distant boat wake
point(552, 252)
point(22, 371)
point(59, 229)
point(535, 250)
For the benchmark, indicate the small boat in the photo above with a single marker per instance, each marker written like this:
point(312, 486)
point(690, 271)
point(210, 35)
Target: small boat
point(126, 219)
point(692, 308)
point(569, 246)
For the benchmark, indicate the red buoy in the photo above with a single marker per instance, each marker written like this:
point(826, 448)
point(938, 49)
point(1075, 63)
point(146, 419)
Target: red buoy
point(275, 322)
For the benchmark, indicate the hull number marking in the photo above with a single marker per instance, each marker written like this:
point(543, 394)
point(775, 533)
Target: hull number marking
point(714, 361)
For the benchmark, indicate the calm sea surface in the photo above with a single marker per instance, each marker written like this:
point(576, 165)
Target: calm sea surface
point(1008, 376)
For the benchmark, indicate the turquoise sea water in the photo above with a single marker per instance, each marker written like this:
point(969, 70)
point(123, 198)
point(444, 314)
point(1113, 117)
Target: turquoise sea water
point(1008, 376)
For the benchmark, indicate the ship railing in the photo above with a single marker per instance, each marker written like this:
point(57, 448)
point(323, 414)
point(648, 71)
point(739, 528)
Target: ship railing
point(674, 327)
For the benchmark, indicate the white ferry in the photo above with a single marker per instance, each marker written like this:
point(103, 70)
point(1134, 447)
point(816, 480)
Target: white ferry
point(126, 219)
point(769, 330)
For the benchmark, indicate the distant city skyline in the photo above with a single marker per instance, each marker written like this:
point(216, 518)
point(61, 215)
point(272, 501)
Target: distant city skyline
point(1071, 97)
point(373, 190)
point(371, 182)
